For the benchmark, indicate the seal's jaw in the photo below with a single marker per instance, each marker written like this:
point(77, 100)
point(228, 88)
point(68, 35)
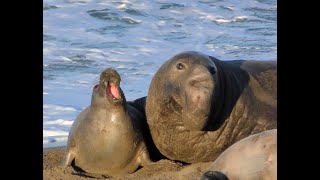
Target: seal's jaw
point(113, 92)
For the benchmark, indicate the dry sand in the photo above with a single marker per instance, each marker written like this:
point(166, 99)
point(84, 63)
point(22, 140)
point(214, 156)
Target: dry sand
point(52, 169)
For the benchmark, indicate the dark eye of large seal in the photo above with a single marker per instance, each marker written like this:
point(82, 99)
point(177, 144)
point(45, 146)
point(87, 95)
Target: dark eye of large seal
point(196, 113)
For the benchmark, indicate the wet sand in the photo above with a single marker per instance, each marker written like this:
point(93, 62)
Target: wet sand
point(165, 169)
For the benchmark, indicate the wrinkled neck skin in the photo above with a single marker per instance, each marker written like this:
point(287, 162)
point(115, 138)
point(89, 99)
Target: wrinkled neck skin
point(231, 83)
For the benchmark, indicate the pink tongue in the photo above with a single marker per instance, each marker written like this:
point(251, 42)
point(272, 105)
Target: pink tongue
point(114, 91)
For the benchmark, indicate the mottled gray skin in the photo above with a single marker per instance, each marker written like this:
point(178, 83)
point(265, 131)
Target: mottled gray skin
point(105, 138)
point(197, 106)
point(254, 157)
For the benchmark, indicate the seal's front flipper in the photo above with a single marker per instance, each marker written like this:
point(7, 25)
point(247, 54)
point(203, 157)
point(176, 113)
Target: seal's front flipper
point(68, 159)
point(145, 159)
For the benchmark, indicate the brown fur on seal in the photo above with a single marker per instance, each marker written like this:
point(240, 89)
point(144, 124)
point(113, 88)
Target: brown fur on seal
point(198, 106)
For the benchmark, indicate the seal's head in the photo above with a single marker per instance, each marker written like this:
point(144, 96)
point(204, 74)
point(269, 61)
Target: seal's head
point(188, 79)
point(108, 91)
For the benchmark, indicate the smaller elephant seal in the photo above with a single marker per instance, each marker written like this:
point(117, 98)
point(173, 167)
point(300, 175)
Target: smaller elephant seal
point(254, 157)
point(105, 138)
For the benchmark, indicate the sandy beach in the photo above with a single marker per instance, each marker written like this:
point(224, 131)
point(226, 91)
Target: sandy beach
point(165, 169)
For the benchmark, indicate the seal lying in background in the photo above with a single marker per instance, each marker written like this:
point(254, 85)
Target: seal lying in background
point(197, 106)
point(254, 157)
point(105, 138)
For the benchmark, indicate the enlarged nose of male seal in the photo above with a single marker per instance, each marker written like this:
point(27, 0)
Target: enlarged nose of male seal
point(198, 98)
point(202, 80)
point(203, 73)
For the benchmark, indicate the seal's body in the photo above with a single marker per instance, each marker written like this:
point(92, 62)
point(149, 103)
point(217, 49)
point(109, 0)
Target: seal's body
point(197, 106)
point(254, 157)
point(105, 138)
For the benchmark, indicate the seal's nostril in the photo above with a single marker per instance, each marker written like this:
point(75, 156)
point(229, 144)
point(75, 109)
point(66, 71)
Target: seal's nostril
point(212, 70)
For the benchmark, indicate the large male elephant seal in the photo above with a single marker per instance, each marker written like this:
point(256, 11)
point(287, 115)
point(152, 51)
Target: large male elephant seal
point(105, 138)
point(254, 157)
point(197, 106)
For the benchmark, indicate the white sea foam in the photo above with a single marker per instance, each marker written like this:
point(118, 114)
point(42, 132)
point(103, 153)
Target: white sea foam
point(241, 17)
point(58, 108)
point(122, 67)
point(59, 122)
point(65, 58)
point(83, 82)
point(122, 6)
point(117, 52)
point(230, 8)
point(47, 133)
point(46, 141)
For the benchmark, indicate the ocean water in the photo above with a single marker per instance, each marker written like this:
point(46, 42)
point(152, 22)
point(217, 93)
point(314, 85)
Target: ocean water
point(83, 37)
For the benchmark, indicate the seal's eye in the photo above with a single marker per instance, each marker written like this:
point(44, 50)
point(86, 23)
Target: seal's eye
point(96, 86)
point(180, 66)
